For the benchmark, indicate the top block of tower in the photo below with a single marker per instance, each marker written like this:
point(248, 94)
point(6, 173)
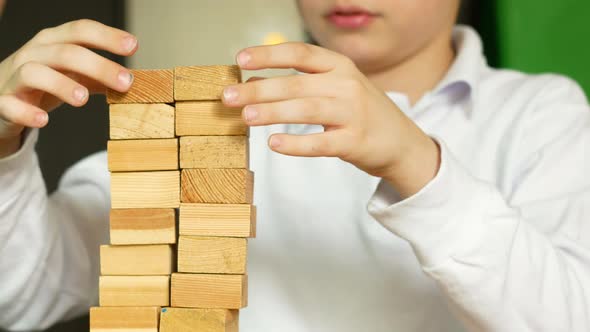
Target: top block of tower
point(203, 82)
point(149, 86)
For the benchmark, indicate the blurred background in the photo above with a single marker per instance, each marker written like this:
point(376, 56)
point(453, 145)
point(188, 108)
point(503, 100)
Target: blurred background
point(528, 35)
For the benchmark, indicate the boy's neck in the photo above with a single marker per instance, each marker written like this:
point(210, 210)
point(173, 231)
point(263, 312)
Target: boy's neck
point(420, 72)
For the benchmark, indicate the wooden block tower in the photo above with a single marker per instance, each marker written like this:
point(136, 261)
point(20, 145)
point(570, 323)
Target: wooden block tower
point(179, 161)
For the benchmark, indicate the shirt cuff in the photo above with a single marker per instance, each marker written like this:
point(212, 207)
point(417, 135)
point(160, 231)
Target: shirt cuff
point(437, 221)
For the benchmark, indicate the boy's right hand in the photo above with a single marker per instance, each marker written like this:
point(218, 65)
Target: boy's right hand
point(58, 66)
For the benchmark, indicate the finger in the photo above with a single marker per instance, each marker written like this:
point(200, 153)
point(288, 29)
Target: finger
point(79, 60)
point(255, 78)
point(300, 56)
point(14, 111)
point(322, 111)
point(326, 144)
point(90, 34)
point(36, 76)
point(279, 88)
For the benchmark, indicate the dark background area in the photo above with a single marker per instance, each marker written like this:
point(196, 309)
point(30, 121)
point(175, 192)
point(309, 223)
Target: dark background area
point(71, 133)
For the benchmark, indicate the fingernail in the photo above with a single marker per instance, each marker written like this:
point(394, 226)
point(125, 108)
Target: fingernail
point(129, 43)
point(230, 94)
point(274, 142)
point(250, 113)
point(243, 58)
point(80, 94)
point(41, 119)
point(125, 78)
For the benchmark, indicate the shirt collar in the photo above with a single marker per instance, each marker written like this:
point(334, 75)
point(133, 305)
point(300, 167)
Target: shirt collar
point(464, 72)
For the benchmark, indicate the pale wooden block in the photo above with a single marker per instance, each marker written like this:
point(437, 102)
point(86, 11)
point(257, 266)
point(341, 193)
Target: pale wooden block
point(221, 255)
point(142, 226)
point(140, 121)
point(214, 152)
point(134, 260)
point(124, 319)
point(234, 220)
point(216, 291)
point(209, 118)
point(149, 86)
point(194, 319)
point(134, 291)
point(225, 186)
point(143, 155)
point(145, 190)
point(204, 82)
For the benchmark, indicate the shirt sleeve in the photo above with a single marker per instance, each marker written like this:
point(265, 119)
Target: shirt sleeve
point(516, 260)
point(49, 243)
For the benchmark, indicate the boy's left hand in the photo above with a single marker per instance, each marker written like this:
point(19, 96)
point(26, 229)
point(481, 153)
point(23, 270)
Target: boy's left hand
point(361, 124)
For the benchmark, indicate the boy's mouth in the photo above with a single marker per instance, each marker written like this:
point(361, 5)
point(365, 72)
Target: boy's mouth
point(350, 17)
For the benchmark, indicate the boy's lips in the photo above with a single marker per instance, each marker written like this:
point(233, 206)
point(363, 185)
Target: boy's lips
point(350, 17)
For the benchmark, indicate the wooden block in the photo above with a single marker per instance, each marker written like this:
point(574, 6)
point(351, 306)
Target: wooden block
point(149, 86)
point(134, 260)
point(216, 291)
point(214, 152)
point(124, 319)
point(225, 186)
point(143, 226)
point(221, 255)
point(234, 220)
point(199, 320)
point(134, 291)
point(143, 155)
point(209, 118)
point(204, 82)
point(145, 190)
point(140, 121)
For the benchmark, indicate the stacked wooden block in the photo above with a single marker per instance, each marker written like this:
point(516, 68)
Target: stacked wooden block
point(177, 157)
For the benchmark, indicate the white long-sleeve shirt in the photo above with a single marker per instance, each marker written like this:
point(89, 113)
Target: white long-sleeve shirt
point(499, 240)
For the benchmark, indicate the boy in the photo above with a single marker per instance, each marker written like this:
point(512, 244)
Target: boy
point(474, 179)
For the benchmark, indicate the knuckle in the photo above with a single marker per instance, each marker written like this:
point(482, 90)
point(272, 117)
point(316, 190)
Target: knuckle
point(27, 71)
point(21, 57)
point(295, 86)
point(43, 35)
point(321, 146)
point(353, 86)
point(80, 27)
point(309, 109)
point(65, 51)
point(348, 62)
point(301, 51)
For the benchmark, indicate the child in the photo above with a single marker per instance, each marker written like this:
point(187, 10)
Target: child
point(456, 200)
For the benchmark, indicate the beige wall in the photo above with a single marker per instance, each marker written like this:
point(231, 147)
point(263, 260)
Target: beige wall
point(199, 32)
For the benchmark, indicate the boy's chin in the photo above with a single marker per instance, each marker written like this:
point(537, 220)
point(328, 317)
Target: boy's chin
point(365, 55)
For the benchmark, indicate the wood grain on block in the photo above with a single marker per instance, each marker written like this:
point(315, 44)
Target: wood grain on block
point(216, 291)
point(204, 82)
point(221, 255)
point(214, 152)
point(134, 291)
point(225, 186)
point(143, 226)
point(194, 319)
point(234, 220)
point(149, 86)
point(209, 118)
point(133, 260)
point(124, 319)
point(145, 190)
point(139, 121)
point(143, 155)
